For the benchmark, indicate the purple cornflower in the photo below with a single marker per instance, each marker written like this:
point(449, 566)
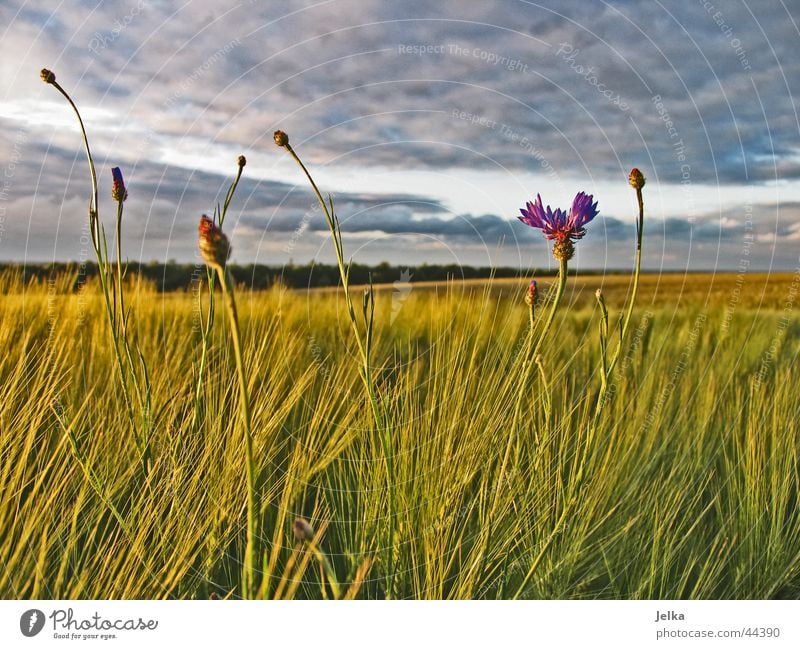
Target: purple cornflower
point(563, 227)
point(558, 224)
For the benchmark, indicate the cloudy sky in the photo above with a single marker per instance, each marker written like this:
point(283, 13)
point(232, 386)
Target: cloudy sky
point(430, 123)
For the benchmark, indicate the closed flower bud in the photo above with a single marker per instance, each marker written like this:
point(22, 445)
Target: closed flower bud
point(563, 250)
point(281, 139)
point(532, 293)
point(118, 191)
point(213, 244)
point(241, 161)
point(599, 294)
point(302, 530)
point(47, 76)
point(636, 179)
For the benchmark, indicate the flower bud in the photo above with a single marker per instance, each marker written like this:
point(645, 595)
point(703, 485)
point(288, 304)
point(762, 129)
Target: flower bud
point(213, 244)
point(532, 293)
point(302, 530)
point(47, 76)
point(281, 139)
point(636, 179)
point(241, 161)
point(599, 294)
point(563, 250)
point(118, 191)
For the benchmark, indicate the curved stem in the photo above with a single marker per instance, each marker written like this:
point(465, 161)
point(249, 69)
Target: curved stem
point(229, 195)
point(366, 373)
point(364, 342)
point(92, 171)
point(101, 253)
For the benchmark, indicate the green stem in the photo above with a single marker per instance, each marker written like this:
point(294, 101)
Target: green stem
point(601, 303)
point(206, 330)
point(244, 404)
point(117, 352)
point(562, 283)
point(629, 312)
point(607, 368)
point(531, 317)
point(327, 568)
point(98, 243)
point(364, 348)
point(142, 437)
point(229, 195)
point(548, 404)
point(119, 270)
point(204, 345)
point(93, 219)
point(90, 475)
point(343, 272)
point(533, 349)
point(544, 549)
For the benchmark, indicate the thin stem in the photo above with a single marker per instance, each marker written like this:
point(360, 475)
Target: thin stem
point(364, 347)
point(206, 329)
point(533, 349)
point(119, 269)
point(548, 406)
point(531, 317)
point(608, 366)
point(333, 225)
point(117, 353)
point(93, 219)
point(142, 437)
point(543, 551)
point(562, 283)
point(89, 473)
point(603, 340)
point(327, 568)
point(637, 272)
point(204, 344)
point(226, 281)
point(629, 312)
point(99, 245)
point(229, 195)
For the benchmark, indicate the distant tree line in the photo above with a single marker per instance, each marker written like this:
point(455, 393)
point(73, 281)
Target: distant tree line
point(173, 276)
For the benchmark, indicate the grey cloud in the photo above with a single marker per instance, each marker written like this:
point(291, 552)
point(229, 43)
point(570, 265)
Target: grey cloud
point(334, 76)
point(312, 67)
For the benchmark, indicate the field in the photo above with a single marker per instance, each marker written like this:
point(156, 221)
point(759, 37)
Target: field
point(503, 482)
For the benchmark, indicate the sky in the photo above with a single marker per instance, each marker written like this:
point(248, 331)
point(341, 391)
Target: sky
point(430, 124)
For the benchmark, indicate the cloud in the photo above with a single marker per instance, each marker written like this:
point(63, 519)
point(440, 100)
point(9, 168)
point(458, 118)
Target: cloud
point(564, 88)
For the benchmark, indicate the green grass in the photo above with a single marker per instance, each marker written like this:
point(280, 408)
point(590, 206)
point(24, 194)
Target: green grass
point(688, 487)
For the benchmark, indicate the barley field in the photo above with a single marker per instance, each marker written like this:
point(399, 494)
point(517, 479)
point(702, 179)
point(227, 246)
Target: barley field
point(491, 475)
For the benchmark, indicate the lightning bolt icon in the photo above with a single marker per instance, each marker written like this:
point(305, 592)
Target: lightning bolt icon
point(32, 620)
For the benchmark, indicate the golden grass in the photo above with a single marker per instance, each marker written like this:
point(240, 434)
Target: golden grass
point(687, 489)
